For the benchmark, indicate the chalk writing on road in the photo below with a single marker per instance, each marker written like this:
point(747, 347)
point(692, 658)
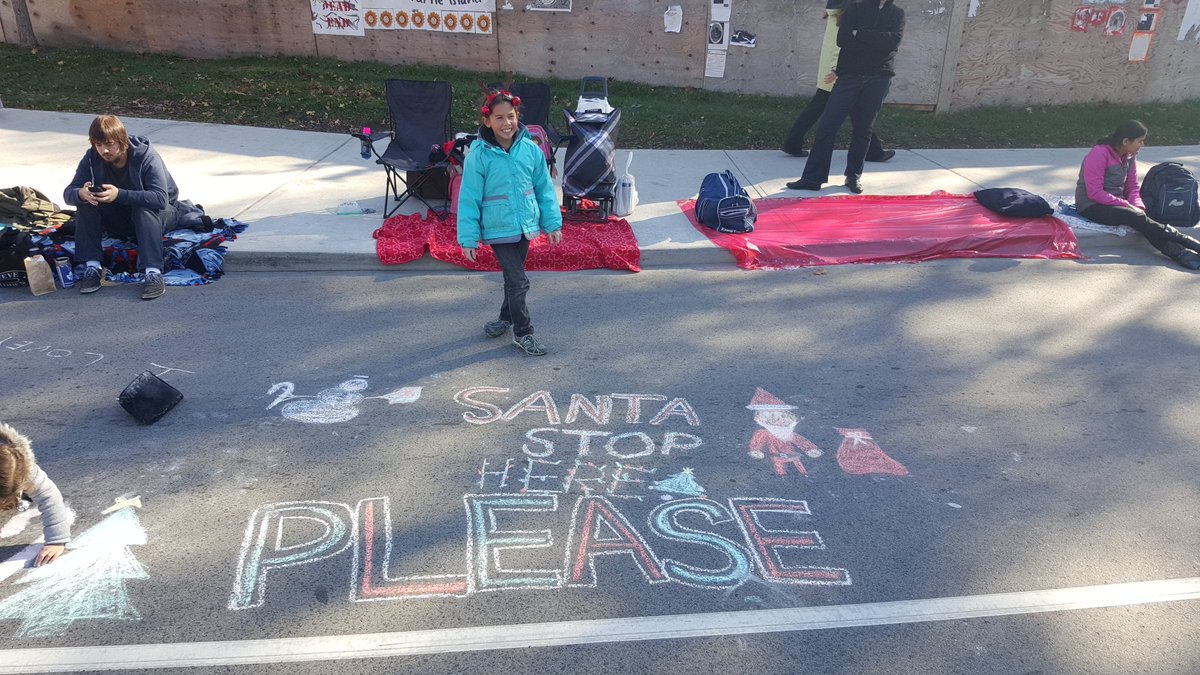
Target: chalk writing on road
point(749, 536)
point(603, 488)
point(335, 404)
point(16, 344)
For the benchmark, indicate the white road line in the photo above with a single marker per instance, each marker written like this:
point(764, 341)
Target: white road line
point(377, 645)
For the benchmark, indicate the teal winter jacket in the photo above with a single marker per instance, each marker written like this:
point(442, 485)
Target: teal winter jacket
point(505, 194)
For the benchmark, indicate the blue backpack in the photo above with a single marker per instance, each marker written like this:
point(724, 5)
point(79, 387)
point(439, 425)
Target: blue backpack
point(724, 205)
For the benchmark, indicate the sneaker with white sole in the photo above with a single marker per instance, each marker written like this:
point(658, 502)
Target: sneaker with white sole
point(153, 286)
point(529, 345)
point(89, 281)
point(495, 329)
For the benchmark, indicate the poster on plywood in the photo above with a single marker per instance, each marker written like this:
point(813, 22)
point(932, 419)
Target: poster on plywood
point(549, 6)
point(337, 17)
point(467, 16)
point(1189, 28)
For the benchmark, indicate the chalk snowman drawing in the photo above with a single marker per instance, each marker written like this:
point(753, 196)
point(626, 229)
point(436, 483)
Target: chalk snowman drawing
point(88, 582)
point(335, 404)
point(858, 454)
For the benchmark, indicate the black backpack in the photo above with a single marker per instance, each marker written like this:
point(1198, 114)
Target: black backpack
point(724, 205)
point(1171, 195)
point(14, 246)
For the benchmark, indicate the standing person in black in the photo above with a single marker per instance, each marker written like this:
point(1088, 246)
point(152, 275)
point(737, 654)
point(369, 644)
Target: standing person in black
point(868, 37)
point(826, 75)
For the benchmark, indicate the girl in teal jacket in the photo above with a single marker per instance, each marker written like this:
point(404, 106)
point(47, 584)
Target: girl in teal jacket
point(506, 199)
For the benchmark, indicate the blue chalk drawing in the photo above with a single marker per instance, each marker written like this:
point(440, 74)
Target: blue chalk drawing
point(88, 582)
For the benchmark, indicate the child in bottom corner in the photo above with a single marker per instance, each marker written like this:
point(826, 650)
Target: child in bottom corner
point(1107, 193)
point(20, 479)
point(507, 199)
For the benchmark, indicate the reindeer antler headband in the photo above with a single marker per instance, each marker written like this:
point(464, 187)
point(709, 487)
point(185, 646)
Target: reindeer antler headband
point(499, 96)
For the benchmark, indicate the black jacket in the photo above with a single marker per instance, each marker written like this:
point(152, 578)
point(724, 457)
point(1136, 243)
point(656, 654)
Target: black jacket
point(869, 37)
point(153, 188)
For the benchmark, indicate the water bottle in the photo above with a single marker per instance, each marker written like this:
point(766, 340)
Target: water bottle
point(41, 279)
point(364, 148)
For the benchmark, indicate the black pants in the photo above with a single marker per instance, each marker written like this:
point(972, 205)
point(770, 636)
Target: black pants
point(144, 225)
point(516, 284)
point(794, 143)
point(1161, 236)
point(858, 97)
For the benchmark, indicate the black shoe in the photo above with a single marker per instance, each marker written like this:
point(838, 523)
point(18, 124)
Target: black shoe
point(1188, 260)
point(495, 329)
point(854, 185)
point(89, 281)
point(800, 153)
point(883, 156)
point(153, 286)
point(803, 184)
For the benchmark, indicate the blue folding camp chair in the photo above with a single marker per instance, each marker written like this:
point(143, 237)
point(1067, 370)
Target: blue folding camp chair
point(420, 113)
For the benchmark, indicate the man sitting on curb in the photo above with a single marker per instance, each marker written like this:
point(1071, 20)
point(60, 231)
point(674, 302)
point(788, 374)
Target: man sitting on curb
point(121, 187)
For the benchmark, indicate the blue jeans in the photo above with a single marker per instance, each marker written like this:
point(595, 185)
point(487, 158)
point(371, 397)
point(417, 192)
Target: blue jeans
point(516, 284)
point(858, 97)
point(122, 222)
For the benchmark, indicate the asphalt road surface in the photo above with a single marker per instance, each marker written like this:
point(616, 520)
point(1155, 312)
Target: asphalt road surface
point(950, 467)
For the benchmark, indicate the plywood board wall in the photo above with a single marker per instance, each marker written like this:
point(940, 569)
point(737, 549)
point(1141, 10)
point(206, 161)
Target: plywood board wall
point(1001, 52)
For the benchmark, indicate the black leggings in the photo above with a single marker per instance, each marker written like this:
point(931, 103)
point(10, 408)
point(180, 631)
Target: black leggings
point(1165, 238)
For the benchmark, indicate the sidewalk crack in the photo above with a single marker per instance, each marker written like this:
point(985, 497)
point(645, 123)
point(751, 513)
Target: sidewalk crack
point(947, 168)
point(287, 182)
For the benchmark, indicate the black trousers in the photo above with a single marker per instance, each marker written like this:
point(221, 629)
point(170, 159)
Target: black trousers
point(794, 143)
point(1161, 236)
point(143, 225)
point(858, 97)
point(516, 285)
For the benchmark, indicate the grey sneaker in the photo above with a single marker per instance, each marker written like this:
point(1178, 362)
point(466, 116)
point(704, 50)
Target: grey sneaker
point(89, 281)
point(153, 286)
point(495, 329)
point(529, 345)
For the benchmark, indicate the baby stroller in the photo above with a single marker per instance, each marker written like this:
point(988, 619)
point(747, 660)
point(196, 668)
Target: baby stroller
point(588, 171)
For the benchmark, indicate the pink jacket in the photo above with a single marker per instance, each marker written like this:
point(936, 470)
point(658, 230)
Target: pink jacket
point(1107, 178)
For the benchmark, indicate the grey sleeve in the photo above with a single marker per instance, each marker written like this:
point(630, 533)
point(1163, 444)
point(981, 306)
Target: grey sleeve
point(56, 517)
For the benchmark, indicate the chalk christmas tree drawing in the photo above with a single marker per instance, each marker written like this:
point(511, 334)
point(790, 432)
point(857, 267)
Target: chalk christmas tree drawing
point(88, 582)
point(859, 455)
point(683, 484)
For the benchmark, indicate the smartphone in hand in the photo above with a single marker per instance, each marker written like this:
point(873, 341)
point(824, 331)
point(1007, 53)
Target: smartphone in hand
point(95, 189)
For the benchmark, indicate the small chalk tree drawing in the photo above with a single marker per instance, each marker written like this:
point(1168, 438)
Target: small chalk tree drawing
point(88, 582)
point(336, 404)
point(682, 484)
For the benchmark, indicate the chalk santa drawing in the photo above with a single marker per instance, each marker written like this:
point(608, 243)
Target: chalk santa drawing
point(859, 455)
point(778, 437)
point(88, 582)
point(336, 404)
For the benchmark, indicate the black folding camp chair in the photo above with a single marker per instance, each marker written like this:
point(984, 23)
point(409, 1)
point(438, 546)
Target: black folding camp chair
point(535, 107)
point(420, 112)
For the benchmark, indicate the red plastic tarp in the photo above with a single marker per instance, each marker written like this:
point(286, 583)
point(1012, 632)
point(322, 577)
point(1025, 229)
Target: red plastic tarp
point(799, 232)
point(584, 246)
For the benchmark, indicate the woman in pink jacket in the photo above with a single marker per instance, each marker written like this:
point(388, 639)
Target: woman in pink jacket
point(1108, 193)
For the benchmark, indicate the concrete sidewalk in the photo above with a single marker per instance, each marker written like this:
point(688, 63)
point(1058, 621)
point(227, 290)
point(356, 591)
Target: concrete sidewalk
point(287, 185)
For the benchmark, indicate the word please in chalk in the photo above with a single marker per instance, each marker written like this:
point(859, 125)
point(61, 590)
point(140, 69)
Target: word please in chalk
point(704, 544)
